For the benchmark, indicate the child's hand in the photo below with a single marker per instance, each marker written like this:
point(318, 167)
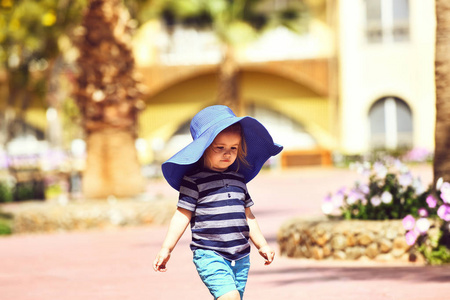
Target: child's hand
point(159, 264)
point(268, 254)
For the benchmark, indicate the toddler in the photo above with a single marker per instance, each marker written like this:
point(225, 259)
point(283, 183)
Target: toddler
point(211, 175)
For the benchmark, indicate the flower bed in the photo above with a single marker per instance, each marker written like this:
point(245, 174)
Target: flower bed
point(377, 220)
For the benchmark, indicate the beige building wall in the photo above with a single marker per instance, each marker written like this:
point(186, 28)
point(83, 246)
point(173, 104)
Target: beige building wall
point(371, 71)
point(278, 86)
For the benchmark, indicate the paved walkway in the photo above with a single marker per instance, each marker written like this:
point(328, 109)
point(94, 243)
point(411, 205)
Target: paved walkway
point(116, 264)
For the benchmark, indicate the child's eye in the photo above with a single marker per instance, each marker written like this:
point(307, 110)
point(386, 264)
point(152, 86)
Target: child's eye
point(217, 149)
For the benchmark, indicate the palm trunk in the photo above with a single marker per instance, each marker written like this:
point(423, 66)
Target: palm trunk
point(228, 89)
point(442, 73)
point(112, 165)
point(109, 102)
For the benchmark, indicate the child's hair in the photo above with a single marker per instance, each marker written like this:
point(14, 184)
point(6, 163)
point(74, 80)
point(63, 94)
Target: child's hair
point(242, 148)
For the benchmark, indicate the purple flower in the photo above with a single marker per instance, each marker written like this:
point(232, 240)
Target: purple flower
point(439, 183)
point(405, 179)
point(364, 188)
point(386, 197)
point(411, 237)
point(445, 186)
point(4, 160)
point(444, 212)
point(408, 222)
point(445, 192)
point(338, 200)
point(327, 205)
point(399, 165)
point(353, 197)
point(418, 186)
point(342, 190)
point(423, 212)
point(375, 200)
point(422, 225)
point(380, 170)
point(431, 201)
point(417, 154)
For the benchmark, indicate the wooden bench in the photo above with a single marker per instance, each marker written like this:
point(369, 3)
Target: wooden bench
point(310, 157)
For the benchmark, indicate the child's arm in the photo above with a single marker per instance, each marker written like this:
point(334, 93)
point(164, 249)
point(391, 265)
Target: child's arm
point(258, 239)
point(178, 225)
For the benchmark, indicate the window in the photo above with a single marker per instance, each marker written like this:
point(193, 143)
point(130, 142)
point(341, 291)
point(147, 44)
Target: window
point(390, 124)
point(387, 21)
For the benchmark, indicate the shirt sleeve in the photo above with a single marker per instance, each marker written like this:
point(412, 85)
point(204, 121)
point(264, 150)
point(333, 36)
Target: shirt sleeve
point(248, 200)
point(188, 194)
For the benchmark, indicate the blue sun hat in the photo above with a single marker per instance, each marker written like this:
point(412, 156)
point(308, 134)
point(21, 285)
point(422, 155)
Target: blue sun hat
point(205, 126)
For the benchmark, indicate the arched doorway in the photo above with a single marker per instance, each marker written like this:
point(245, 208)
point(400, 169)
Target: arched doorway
point(390, 124)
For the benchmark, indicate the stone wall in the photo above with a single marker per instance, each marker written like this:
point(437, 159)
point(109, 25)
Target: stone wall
point(46, 216)
point(345, 240)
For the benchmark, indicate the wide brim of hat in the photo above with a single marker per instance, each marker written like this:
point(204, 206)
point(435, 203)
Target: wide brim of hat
point(260, 147)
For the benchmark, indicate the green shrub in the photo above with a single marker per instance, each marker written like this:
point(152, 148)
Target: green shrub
point(5, 223)
point(390, 193)
point(6, 193)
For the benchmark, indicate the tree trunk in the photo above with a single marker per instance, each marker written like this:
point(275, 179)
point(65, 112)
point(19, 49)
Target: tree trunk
point(109, 102)
point(112, 165)
point(442, 77)
point(229, 84)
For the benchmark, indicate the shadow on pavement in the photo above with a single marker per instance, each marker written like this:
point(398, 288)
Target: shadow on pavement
point(328, 274)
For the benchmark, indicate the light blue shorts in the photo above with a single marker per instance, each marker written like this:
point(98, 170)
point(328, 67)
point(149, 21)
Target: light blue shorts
point(221, 275)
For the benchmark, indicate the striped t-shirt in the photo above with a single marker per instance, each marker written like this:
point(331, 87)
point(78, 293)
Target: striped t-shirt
point(217, 201)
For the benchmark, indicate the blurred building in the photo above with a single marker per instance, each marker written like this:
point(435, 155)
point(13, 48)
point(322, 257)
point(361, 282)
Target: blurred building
point(386, 74)
point(361, 78)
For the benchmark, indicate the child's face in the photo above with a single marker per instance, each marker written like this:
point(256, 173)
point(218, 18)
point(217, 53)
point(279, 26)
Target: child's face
point(223, 151)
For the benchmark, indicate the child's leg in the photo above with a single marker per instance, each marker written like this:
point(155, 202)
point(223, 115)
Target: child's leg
point(240, 270)
point(233, 295)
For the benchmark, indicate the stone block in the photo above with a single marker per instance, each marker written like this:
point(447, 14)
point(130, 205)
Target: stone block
point(400, 243)
point(386, 257)
point(305, 251)
point(296, 237)
point(390, 233)
point(397, 252)
point(385, 245)
point(365, 238)
point(339, 255)
point(338, 242)
point(317, 253)
point(364, 258)
point(372, 250)
point(354, 253)
point(327, 251)
point(351, 240)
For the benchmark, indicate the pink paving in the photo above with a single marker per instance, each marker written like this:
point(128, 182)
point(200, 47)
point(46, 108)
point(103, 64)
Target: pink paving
point(116, 264)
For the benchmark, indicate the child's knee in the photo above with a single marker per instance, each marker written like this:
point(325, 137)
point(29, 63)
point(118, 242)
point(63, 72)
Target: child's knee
point(233, 295)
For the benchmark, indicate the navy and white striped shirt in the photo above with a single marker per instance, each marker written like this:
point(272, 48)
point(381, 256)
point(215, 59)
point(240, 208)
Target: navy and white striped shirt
point(217, 201)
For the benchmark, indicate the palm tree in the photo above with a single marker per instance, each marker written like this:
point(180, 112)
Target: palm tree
point(442, 76)
point(109, 101)
point(235, 23)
